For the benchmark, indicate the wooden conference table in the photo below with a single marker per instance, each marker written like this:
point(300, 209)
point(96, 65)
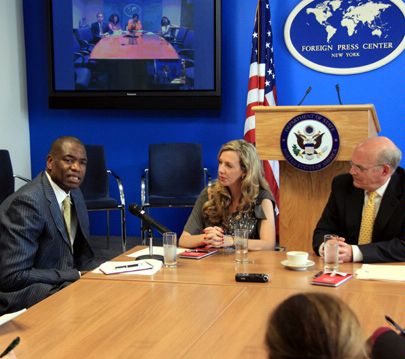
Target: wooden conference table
point(196, 310)
point(140, 46)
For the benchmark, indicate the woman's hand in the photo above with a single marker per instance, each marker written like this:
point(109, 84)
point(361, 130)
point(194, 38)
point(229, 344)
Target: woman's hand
point(214, 236)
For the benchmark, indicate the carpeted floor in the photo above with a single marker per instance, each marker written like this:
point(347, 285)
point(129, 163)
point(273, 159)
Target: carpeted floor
point(102, 253)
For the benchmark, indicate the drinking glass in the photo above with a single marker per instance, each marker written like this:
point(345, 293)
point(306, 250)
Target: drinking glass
point(331, 253)
point(241, 245)
point(170, 249)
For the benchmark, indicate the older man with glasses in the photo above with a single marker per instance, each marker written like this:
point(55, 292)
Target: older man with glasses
point(366, 207)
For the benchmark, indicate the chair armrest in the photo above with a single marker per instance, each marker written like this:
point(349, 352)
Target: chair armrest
point(25, 179)
point(120, 186)
point(144, 185)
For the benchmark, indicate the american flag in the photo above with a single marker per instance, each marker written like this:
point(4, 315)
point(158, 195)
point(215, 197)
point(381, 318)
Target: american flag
point(262, 84)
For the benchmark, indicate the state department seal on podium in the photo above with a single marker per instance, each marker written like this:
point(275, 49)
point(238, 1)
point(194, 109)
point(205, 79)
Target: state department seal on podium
point(310, 142)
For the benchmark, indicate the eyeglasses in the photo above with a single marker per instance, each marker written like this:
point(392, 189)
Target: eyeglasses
point(362, 168)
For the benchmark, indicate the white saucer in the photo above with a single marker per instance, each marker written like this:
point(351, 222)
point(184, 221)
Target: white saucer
point(295, 267)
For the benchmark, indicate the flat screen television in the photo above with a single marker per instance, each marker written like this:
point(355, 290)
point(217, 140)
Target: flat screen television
point(134, 53)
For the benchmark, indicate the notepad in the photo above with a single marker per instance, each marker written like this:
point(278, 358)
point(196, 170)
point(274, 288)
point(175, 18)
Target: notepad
point(381, 272)
point(329, 280)
point(125, 267)
point(198, 253)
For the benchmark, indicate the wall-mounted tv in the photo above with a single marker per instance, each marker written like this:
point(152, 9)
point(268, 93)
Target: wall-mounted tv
point(135, 53)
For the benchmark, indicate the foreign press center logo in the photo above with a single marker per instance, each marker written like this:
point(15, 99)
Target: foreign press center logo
point(346, 36)
point(309, 142)
point(131, 9)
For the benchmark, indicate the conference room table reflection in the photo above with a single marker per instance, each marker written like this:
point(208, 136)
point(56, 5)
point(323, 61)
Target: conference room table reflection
point(136, 46)
point(129, 62)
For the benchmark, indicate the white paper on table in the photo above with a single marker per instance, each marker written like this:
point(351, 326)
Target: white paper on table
point(156, 250)
point(10, 316)
point(381, 272)
point(156, 266)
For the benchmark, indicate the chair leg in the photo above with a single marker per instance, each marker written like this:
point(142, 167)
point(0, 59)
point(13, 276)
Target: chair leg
point(123, 230)
point(108, 229)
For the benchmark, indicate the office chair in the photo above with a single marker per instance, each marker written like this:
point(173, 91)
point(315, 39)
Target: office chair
point(95, 188)
point(179, 37)
point(84, 37)
point(7, 178)
point(175, 176)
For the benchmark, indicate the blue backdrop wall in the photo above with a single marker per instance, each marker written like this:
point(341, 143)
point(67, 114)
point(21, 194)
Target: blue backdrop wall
point(127, 133)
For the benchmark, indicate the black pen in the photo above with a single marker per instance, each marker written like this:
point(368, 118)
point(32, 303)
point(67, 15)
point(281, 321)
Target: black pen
point(318, 274)
point(198, 251)
point(127, 266)
point(10, 347)
point(395, 325)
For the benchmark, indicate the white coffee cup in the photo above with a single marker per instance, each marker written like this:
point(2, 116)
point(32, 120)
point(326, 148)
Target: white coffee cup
point(297, 258)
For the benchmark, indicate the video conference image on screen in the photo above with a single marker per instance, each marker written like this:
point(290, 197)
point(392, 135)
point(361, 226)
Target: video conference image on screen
point(131, 46)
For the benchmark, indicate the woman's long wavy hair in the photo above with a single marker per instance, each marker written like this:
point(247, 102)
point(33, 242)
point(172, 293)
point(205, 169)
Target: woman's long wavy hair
point(216, 209)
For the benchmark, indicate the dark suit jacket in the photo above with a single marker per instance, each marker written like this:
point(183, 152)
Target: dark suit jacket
point(36, 257)
point(342, 216)
point(385, 343)
point(95, 30)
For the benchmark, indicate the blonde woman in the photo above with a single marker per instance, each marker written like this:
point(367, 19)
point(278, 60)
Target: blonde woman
point(240, 198)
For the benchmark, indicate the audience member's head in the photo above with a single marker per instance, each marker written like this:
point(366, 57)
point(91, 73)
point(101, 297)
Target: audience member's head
point(373, 162)
point(314, 325)
point(66, 162)
point(114, 19)
point(100, 17)
point(165, 21)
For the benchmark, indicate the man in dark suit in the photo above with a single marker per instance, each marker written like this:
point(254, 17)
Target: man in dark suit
point(99, 28)
point(374, 179)
point(41, 250)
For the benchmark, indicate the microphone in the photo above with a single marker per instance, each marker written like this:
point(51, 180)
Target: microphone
point(338, 93)
point(305, 95)
point(139, 212)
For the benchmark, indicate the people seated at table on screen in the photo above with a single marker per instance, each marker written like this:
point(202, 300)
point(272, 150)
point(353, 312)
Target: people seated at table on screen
point(320, 325)
point(44, 230)
point(114, 23)
point(134, 24)
point(240, 198)
point(166, 28)
point(99, 28)
point(375, 185)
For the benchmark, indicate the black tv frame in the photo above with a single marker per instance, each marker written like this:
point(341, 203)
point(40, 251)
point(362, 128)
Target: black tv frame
point(145, 99)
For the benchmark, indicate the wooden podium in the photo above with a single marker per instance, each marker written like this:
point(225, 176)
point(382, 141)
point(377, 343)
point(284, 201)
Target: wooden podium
point(303, 195)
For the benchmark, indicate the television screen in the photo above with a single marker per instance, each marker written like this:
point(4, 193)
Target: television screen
point(135, 53)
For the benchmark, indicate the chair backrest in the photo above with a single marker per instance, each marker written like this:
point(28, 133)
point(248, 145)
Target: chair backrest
point(6, 175)
point(181, 34)
point(175, 169)
point(95, 184)
point(188, 41)
point(84, 35)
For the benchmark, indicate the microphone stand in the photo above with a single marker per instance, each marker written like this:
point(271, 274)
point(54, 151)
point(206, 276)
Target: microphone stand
point(150, 236)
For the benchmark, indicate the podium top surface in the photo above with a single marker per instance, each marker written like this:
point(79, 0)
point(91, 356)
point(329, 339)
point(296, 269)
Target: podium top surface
point(322, 108)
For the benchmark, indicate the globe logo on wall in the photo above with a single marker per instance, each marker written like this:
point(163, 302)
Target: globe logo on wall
point(346, 36)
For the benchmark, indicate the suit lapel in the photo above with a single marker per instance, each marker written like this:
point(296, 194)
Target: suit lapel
point(389, 202)
point(353, 212)
point(55, 210)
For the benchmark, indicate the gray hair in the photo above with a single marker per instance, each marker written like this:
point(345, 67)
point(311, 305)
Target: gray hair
point(390, 155)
